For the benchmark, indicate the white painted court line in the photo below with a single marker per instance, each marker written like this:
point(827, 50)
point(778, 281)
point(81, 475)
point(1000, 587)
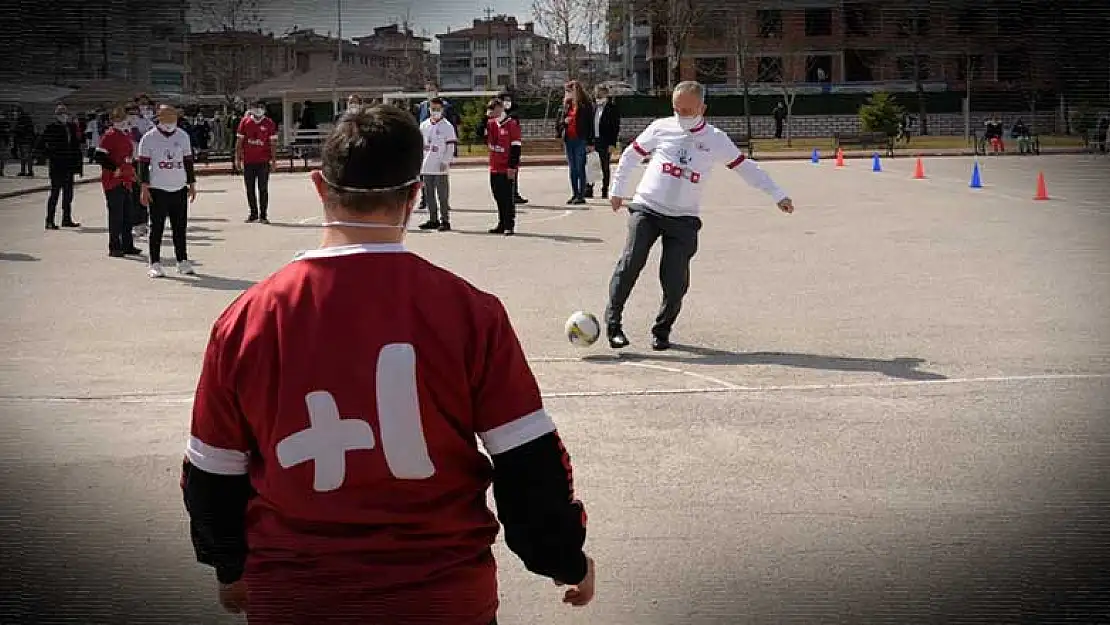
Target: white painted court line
point(178, 398)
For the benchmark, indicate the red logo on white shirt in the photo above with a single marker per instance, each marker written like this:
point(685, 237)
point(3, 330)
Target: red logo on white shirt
point(676, 171)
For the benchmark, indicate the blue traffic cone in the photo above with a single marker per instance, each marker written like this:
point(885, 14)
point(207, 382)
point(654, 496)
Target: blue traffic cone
point(976, 178)
point(876, 165)
point(816, 158)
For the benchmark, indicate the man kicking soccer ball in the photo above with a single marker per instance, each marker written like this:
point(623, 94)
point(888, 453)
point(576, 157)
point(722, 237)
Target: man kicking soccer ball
point(683, 150)
point(333, 474)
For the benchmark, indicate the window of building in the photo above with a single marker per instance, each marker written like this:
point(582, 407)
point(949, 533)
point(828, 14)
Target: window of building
point(859, 65)
point(481, 61)
point(819, 68)
point(504, 80)
point(479, 82)
point(711, 71)
point(504, 62)
point(915, 24)
point(502, 44)
point(1013, 66)
point(770, 69)
point(819, 22)
point(480, 44)
point(906, 64)
point(859, 19)
point(770, 23)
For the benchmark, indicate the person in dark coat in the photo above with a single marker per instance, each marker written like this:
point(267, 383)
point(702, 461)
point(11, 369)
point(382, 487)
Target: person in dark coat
point(6, 126)
point(23, 138)
point(607, 127)
point(61, 145)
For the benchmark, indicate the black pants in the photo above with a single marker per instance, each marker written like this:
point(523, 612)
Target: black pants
point(778, 128)
point(119, 219)
point(61, 183)
point(606, 166)
point(502, 188)
point(516, 196)
point(175, 205)
point(680, 243)
point(257, 176)
point(140, 215)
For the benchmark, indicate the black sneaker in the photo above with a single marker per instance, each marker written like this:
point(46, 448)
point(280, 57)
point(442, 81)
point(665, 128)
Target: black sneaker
point(250, 220)
point(263, 220)
point(508, 232)
point(660, 343)
point(617, 339)
point(578, 200)
point(444, 226)
point(116, 254)
point(69, 223)
point(519, 200)
point(51, 225)
point(431, 224)
point(133, 252)
point(573, 199)
point(497, 230)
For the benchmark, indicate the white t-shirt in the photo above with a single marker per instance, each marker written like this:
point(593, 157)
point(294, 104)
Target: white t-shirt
point(680, 165)
point(439, 146)
point(166, 155)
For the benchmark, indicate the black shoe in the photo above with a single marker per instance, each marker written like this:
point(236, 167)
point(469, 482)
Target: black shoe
point(579, 200)
point(133, 252)
point(519, 200)
point(589, 191)
point(660, 343)
point(250, 220)
point(69, 223)
point(431, 224)
point(263, 220)
point(116, 254)
point(51, 225)
point(605, 195)
point(497, 230)
point(444, 226)
point(617, 339)
point(573, 199)
point(508, 232)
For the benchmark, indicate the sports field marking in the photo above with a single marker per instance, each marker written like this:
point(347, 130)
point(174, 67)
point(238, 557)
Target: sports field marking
point(181, 398)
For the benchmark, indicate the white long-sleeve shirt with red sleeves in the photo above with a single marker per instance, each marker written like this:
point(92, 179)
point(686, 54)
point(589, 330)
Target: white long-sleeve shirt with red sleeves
point(681, 162)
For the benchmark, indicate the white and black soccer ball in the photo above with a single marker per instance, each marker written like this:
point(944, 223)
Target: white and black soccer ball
point(582, 329)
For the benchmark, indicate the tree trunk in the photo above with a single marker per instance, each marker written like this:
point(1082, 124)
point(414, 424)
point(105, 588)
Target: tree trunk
point(922, 114)
point(747, 108)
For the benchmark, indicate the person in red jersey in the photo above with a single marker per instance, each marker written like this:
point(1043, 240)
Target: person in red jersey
point(256, 150)
point(333, 474)
point(116, 156)
point(503, 140)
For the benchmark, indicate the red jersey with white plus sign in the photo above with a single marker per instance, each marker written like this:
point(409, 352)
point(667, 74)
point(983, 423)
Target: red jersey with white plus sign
point(358, 418)
point(500, 137)
point(258, 135)
point(117, 146)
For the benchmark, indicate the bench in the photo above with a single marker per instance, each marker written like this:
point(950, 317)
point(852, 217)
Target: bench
point(1093, 142)
point(307, 144)
point(864, 140)
point(744, 143)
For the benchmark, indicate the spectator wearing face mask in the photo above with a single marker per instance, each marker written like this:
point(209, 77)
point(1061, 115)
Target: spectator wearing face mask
point(140, 120)
point(607, 127)
point(256, 149)
point(116, 157)
point(441, 145)
point(506, 98)
point(61, 144)
point(168, 185)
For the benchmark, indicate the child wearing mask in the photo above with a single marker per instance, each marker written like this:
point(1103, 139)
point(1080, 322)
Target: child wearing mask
point(441, 144)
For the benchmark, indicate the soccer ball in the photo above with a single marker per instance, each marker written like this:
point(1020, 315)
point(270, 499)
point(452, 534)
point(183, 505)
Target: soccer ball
point(583, 329)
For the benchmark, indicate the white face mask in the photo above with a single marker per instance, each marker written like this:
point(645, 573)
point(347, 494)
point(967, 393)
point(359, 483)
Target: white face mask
point(147, 112)
point(687, 123)
point(436, 115)
point(602, 101)
point(403, 225)
point(258, 112)
point(508, 104)
point(352, 108)
point(167, 127)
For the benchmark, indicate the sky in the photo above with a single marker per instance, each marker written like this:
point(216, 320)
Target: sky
point(361, 16)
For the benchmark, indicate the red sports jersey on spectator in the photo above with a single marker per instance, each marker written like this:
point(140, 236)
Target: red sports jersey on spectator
point(500, 137)
point(258, 135)
point(117, 145)
point(371, 488)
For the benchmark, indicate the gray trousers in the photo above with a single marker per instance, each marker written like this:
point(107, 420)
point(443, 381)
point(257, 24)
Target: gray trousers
point(680, 243)
point(435, 196)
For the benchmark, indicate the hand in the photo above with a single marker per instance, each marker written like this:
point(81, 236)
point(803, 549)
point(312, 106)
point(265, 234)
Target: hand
point(144, 195)
point(273, 165)
point(583, 592)
point(512, 174)
point(616, 202)
point(233, 597)
point(192, 192)
point(786, 205)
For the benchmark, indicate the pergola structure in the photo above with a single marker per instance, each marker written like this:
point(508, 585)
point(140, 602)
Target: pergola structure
point(325, 84)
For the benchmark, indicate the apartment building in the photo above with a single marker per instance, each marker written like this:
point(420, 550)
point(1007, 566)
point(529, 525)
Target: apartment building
point(492, 54)
point(73, 43)
point(406, 54)
point(830, 45)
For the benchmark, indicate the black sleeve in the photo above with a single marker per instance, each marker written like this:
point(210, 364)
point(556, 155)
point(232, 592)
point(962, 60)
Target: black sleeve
point(190, 170)
point(544, 525)
point(144, 171)
point(587, 119)
point(514, 156)
point(102, 159)
point(217, 508)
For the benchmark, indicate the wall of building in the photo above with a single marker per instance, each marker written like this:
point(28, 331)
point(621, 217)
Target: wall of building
point(810, 125)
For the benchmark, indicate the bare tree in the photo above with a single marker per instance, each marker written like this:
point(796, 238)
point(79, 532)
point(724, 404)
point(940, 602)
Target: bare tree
point(566, 22)
point(220, 54)
point(679, 20)
point(744, 48)
point(913, 27)
point(789, 74)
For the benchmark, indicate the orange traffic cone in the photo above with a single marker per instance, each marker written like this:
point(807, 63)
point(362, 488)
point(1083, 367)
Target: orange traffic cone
point(919, 171)
point(1042, 190)
point(839, 157)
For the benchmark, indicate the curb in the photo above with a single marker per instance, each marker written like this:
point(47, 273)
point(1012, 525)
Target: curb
point(556, 160)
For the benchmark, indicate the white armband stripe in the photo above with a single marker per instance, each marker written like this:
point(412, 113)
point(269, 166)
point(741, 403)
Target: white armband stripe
point(215, 460)
point(517, 432)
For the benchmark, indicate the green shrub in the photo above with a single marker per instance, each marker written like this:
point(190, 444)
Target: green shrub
point(881, 113)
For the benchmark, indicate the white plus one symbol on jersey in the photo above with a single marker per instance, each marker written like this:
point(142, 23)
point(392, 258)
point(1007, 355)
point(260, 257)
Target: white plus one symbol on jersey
point(329, 437)
point(326, 441)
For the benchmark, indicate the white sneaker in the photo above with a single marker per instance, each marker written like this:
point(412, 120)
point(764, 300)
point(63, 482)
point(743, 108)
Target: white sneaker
point(156, 271)
point(185, 268)
point(139, 231)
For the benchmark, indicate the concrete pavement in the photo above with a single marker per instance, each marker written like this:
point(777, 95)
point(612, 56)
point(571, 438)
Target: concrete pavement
point(889, 407)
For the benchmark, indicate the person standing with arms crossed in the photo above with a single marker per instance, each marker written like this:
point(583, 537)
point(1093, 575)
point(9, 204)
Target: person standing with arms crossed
point(441, 144)
point(116, 157)
point(168, 185)
point(503, 140)
point(256, 149)
point(667, 205)
point(61, 142)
